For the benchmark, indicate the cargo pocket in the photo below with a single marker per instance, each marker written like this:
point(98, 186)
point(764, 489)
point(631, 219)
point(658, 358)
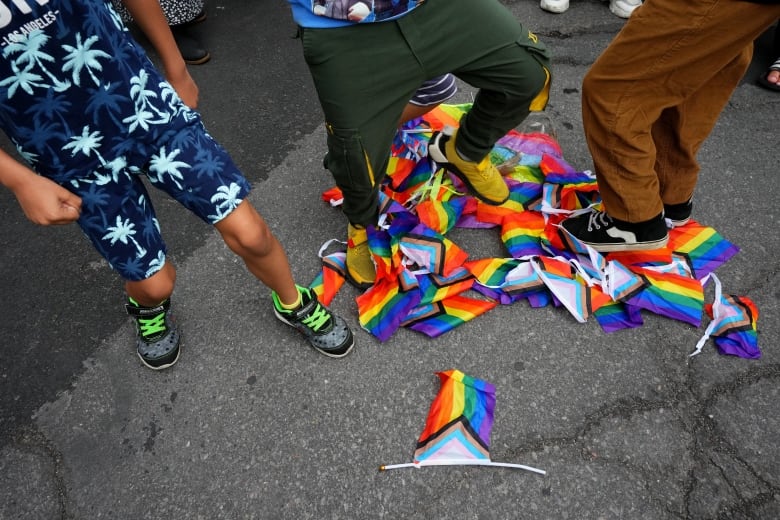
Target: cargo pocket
point(352, 171)
point(347, 158)
point(542, 55)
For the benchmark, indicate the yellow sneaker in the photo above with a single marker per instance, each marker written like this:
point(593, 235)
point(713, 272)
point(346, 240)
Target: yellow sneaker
point(361, 271)
point(483, 178)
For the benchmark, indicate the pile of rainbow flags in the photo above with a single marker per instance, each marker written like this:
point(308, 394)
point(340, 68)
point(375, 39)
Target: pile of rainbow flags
point(429, 284)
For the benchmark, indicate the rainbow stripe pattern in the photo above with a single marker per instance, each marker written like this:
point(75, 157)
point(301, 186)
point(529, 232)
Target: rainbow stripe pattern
point(457, 429)
point(734, 330)
point(424, 278)
point(459, 421)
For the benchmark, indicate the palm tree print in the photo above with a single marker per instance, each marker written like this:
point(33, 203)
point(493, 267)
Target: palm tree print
point(29, 47)
point(106, 99)
point(156, 264)
point(85, 143)
point(151, 227)
point(43, 135)
point(186, 140)
point(51, 106)
point(138, 91)
point(141, 118)
point(167, 93)
point(23, 79)
point(132, 268)
point(94, 198)
point(208, 164)
point(82, 57)
point(27, 155)
point(164, 164)
point(123, 232)
point(227, 199)
point(115, 167)
point(145, 111)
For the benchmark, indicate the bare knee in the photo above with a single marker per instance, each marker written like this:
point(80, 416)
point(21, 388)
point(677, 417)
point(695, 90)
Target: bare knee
point(155, 289)
point(254, 241)
point(246, 233)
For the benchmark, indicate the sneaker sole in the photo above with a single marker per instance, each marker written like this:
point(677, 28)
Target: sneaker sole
point(164, 365)
point(336, 356)
point(637, 246)
point(440, 159)
point(678, 223)
point(321, 351)
point(620, 13)
point(553, 9)
point(199, 61)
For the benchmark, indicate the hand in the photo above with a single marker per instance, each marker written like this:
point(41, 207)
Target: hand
point(45, 202)
point(149, 16)
point(358, 11)
point(185, 87)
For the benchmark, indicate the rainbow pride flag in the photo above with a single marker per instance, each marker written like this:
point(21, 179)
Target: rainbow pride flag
point(733, 325)
point(436, 318)
point(702, 247)
point(671, 295)
point(457, 430)
point(423, 274)
point(331, 278)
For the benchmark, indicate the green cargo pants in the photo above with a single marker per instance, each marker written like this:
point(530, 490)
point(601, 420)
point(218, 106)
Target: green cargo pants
point(365, 74)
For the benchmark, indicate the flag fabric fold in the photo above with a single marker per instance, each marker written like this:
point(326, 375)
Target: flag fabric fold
point(733, 325)
point(458, 427)
point(424, 277)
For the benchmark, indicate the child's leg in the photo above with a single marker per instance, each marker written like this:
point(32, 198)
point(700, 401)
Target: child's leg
point(206, 181)
point(155, 289)
point(121, 223)
point(248, 235)
point(431, 94)
point(362, 113)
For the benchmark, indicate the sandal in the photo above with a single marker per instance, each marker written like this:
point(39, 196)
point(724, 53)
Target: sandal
point(764, 82)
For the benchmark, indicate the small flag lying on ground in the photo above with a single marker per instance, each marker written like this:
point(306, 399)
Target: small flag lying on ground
point(733, 325)
point(457, 431)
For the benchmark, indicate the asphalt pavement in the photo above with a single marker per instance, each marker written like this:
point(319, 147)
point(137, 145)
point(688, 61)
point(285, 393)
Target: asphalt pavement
point(253, 423)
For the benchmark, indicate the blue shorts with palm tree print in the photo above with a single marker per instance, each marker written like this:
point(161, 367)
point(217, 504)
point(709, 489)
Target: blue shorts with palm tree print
point(117, 214)
point(86, 108)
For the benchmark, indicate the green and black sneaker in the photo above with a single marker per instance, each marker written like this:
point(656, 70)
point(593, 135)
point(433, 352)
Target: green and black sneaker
point(158, 335)
point(327, 333)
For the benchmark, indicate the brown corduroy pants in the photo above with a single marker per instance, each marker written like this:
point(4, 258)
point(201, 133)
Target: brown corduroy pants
point(655, 93)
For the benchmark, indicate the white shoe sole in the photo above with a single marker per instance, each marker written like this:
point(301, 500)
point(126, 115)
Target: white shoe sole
point(618, 10)
point(636, 246)
point(554, 6)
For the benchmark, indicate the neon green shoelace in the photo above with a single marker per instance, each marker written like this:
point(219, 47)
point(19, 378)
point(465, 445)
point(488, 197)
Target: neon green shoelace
point(317, 319)
point(152, 326)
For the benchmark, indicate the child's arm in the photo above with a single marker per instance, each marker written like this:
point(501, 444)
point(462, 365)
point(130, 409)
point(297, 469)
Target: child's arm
point(150, 19)
point(42, 200)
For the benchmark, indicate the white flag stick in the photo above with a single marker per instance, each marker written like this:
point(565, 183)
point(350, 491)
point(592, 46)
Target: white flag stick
point(455, 462)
